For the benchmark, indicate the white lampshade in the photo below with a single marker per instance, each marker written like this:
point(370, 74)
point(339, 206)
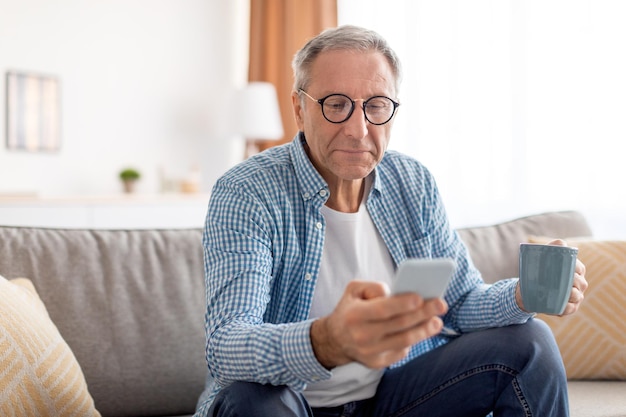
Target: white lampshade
point(256, 113)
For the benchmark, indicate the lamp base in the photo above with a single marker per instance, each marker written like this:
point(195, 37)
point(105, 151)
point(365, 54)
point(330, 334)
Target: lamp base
point(252, 148)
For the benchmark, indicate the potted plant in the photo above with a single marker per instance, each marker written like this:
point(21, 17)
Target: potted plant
point(129, 177)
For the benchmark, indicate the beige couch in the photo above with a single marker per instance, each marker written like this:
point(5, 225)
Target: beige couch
point(130, 305)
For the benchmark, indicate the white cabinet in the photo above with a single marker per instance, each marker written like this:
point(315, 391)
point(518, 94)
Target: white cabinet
point(164, 211)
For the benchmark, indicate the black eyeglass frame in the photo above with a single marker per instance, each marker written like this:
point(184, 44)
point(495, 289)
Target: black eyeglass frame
point(320, 101)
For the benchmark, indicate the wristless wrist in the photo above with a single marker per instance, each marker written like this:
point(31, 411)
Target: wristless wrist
point(323, 346)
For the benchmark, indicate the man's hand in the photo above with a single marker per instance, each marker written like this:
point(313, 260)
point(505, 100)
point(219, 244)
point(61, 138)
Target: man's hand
point(372, 328)
point(577, 294)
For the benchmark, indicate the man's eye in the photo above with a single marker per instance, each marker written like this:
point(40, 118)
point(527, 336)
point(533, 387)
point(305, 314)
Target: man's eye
point(378, 105)
point(336, 105)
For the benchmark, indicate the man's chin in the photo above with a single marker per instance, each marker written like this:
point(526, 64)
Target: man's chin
point(354, 173)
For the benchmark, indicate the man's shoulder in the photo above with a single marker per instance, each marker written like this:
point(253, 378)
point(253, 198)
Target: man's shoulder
point(399, 164)
point(269, 178)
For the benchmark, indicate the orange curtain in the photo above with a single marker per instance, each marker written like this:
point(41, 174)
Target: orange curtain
point(278, 28)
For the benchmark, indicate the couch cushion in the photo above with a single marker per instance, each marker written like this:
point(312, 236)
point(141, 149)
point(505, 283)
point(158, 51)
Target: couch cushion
point(495, 249)
point(39, 375)
point(130, 304)
point(593, 341)
point(597, 398)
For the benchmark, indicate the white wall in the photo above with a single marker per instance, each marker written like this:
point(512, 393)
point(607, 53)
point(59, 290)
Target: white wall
point(142, 85)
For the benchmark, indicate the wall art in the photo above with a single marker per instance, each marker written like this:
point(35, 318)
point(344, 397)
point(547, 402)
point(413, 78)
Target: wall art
point(33, 119)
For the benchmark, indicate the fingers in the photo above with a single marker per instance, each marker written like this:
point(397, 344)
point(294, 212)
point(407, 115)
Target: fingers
point(408, 337)
point(374, 329)
point(380, 308)
point(580, 283)
point(367, 289)
point(577, 294)
point(574, 302)
point(395, 347)
point(376, 350)
point(581, 270)
point(387, 318)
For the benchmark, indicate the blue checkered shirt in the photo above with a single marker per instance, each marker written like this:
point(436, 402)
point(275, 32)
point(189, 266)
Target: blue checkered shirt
point(263, 243)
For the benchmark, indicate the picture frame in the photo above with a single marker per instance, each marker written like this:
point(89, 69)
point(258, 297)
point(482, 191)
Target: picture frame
point(33, 119)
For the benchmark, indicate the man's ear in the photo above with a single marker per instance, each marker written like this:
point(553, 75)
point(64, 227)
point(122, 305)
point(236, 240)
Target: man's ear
point(298, 110)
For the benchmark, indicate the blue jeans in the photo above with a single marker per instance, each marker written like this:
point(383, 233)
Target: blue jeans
point(510, 371)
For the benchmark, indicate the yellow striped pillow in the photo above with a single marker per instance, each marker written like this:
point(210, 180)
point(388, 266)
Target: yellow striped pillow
point(39, 375)
point(593, 340)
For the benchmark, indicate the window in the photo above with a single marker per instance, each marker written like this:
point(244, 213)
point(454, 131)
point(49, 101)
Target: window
point(517, 107)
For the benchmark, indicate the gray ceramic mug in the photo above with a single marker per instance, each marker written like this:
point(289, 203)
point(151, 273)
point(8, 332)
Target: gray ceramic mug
point(546, 274)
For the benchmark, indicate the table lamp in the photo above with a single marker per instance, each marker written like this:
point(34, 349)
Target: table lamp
point(257, 115)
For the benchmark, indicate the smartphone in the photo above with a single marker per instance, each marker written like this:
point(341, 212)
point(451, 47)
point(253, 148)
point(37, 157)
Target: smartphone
point(427, 277)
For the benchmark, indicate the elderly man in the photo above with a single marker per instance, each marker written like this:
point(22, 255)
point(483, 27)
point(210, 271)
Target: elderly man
point(301, 244)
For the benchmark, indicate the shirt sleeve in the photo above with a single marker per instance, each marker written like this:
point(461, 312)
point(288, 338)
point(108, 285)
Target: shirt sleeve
point(473, 304)
point(491, 305)
point(241, 346)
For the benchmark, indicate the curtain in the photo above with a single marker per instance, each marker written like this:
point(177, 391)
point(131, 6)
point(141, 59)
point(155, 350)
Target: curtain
point(278, 28)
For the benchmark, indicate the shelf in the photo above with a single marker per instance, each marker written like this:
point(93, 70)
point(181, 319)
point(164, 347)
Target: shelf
point(123, 211)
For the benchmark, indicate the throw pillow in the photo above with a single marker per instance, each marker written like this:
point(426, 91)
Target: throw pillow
point(39, 375)
point(593, 340)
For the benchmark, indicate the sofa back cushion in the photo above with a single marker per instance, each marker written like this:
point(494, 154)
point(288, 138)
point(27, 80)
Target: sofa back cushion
point(130, 304)
point(495, 249)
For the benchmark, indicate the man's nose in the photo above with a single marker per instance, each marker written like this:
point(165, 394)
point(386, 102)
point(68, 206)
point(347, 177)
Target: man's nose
point(356, 125)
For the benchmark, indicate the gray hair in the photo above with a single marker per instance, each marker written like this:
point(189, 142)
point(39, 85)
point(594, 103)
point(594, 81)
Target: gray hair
point(347, 37)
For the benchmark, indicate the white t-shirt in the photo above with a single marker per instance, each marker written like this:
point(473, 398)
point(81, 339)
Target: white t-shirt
point(353, 249)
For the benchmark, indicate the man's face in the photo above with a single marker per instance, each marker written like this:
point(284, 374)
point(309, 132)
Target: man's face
point(350, 150)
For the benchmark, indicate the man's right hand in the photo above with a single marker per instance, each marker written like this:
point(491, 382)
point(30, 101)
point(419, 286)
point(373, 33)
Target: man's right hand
point(370, 327)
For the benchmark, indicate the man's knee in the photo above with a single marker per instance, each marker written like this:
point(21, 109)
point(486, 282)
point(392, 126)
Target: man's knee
point(248, 398)
point(535, 342)
point(537, 334)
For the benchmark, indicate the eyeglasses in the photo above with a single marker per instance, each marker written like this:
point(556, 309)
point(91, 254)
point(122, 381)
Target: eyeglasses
point(337, 108)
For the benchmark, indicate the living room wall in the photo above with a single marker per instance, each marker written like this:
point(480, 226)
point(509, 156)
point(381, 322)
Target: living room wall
point(144, 83)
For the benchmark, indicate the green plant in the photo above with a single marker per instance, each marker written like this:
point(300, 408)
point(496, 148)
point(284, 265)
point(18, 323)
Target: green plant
point(129, 174)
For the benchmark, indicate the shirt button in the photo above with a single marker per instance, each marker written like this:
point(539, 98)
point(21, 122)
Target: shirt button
point(308, 277)
point(323, 193)
point(306, 196)
point(318, 225)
